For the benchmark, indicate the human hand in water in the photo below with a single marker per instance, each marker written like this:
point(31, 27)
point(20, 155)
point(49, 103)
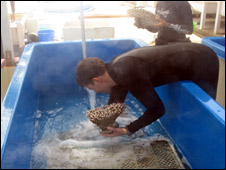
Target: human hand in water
point(115, 132)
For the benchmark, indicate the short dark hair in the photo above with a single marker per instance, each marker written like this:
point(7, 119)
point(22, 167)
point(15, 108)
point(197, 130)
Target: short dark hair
point(89, 68)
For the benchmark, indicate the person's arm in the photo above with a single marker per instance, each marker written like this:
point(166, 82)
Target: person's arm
point(117, 95)
point(145, 93)
point(186, 28)
point(183, 20)
point(133, 74)
point(12, 3)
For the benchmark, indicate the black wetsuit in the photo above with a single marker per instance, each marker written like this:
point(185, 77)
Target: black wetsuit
point(142, 69)
point(178, 15)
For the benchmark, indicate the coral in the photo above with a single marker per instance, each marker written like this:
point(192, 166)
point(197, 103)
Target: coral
point(143, 18)
point(105, 116)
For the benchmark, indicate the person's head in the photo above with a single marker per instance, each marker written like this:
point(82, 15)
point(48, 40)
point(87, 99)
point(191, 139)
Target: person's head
point(92, 74)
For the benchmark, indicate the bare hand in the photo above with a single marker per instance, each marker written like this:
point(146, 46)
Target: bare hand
point(161, 23)
point(115, 132)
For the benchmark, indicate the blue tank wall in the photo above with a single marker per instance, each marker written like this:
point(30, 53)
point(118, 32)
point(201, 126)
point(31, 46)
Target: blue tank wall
point(44, 68)
point(217, 44)
point(193, 120)
point(196, 123)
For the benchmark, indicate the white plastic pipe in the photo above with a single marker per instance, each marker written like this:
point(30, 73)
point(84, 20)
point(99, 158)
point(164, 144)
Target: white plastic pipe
point(83, 31)
point(6, 37)
point(92, 94)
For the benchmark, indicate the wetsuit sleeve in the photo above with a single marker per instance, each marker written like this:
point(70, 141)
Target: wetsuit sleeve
point(145, 93)
point(133, 74)
point(117, 95)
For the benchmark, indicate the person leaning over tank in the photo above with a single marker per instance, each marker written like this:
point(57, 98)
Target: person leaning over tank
point(175, 21)
point(142, 69)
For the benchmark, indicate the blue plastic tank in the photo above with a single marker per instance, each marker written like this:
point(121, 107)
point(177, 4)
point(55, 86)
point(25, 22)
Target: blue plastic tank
point(46, 35)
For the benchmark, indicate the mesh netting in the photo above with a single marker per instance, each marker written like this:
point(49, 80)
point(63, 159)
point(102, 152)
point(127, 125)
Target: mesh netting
point(137, 155)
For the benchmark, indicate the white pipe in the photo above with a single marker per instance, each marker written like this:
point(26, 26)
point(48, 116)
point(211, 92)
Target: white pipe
point(6, 37)
point(83, 31)
point(218, 18)
point(92, 94)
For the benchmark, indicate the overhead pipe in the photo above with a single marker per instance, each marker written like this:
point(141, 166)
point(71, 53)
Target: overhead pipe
point(83, 31)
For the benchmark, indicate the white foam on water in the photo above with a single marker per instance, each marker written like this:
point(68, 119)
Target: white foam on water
point(81, 144)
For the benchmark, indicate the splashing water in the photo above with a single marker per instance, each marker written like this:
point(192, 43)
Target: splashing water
point(76, 147)
point(92, 98)
point(65, 138)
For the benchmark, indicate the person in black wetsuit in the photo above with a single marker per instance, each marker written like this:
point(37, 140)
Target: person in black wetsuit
point(176, 21)
point(142, 69)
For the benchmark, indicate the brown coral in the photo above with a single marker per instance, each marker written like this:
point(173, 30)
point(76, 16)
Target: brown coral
point(144, 19)
point(105, 116)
